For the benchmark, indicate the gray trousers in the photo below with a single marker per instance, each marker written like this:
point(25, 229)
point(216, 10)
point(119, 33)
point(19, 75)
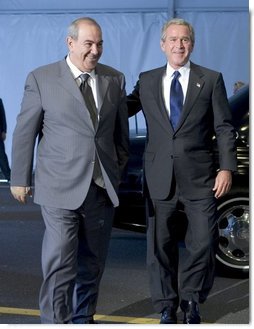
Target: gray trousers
point(193, 279)
point(74, 251)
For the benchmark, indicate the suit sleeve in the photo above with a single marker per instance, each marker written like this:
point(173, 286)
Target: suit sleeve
point(27, 128)
point(133, 101)
point(224, 130)
point(121, 135)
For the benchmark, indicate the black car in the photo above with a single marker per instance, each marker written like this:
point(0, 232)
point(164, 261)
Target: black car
point(233, 209)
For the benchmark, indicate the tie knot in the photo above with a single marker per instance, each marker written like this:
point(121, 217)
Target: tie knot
point(84, 77)
point(176, 74)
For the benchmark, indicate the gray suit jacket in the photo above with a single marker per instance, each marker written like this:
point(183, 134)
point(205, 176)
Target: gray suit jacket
point(187, 152)
point(54, 110)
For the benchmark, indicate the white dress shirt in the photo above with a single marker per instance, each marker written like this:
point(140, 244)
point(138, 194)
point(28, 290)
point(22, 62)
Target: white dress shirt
point(167, 79)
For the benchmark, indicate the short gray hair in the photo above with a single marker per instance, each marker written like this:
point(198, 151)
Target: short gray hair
point(73, 29)
point(178, 21)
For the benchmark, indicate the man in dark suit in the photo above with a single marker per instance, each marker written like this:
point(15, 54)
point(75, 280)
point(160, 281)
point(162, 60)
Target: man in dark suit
point(179, 166)
point(4, 163)
point(81, 154)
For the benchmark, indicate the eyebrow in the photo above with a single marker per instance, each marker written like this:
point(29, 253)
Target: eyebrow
point(101, 41)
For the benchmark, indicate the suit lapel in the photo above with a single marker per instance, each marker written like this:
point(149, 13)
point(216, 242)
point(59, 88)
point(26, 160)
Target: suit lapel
point(195, 86)
point(102, 86)
point(157, 90)
point(69, 84)
point(67, 81)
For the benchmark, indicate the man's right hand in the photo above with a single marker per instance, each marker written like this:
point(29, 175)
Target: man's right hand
point(20, 193)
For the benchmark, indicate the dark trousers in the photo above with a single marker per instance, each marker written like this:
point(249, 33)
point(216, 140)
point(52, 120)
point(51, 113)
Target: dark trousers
point(74, 250)
point(4, 163)
point(193, 278)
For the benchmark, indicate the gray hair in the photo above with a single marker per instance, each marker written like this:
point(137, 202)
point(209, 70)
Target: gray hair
point(73, 29)
point(178, 21)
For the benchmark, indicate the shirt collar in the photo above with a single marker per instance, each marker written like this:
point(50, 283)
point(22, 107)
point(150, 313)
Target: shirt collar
point(75, 71)
point(183, 70)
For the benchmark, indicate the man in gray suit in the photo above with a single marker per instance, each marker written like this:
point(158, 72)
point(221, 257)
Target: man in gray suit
point(180, 167)
point(79, 162)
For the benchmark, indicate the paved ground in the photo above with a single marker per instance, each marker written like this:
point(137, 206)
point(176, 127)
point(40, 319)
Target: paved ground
point(124, 295)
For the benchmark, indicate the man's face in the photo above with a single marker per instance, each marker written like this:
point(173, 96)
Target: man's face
point(177, 45)
point(87, 49)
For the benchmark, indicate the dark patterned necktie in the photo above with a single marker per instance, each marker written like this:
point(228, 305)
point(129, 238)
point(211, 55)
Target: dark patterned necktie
point(87, 93)
point(176, 100)
point(88, 97)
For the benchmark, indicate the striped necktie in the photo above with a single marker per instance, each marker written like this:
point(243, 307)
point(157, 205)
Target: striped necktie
point(87, 93)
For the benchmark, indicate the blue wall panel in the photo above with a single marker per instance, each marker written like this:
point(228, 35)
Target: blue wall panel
point(32, 33)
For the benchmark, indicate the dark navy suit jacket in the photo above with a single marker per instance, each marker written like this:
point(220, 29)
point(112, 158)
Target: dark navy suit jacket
point(187, 152)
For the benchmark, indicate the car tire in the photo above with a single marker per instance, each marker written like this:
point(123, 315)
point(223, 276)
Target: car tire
point(233, 223)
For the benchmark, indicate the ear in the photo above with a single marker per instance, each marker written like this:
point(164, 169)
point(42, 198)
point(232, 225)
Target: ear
point(162, 44)
point(69, 42)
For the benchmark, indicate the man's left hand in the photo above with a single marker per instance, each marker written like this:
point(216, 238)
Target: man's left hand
point(223, 183)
